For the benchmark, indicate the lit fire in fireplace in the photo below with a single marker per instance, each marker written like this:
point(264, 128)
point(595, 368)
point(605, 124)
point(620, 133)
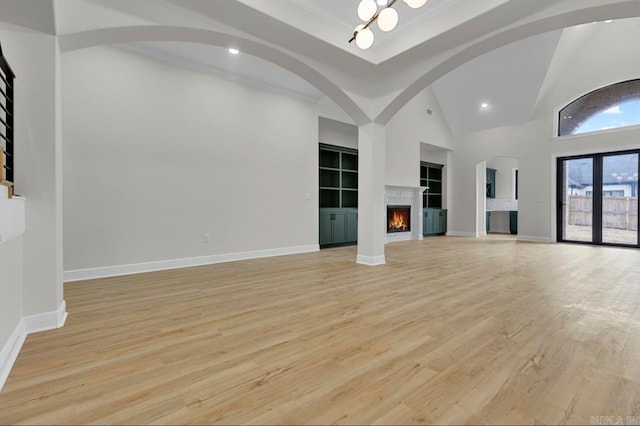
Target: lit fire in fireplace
point(396, 223)
point(398, 218)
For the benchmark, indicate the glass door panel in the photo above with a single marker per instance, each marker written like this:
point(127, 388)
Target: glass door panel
point(620, 199)
point(577, 200)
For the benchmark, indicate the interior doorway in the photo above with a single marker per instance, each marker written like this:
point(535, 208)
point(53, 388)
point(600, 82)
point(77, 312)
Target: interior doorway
point(597, 199)
point(497, 196)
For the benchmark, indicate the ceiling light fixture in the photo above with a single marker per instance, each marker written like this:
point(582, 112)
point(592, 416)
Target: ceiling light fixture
point(233, 51)
point(608, 21)
point(484, 105)
point(387, 19)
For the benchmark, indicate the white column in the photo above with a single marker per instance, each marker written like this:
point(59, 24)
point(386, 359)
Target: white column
point(39, 174)
point(371, 181)
point(417, 214)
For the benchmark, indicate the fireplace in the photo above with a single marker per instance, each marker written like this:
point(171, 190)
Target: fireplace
point(398, 219)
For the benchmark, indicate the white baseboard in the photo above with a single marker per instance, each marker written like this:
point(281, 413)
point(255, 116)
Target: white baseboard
point(10, 351)
point(46, 321)
point(462, 234)
point(138, 268)
point(28, 325)
point(529, 238)
point(371, 260)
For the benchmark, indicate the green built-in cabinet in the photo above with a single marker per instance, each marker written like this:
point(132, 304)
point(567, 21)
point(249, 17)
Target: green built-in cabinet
point(338, 226)
point(434, 217)
point(434, 222)
point(338, 196)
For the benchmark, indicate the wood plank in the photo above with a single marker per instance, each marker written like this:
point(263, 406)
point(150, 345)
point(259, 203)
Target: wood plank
point(450, 330)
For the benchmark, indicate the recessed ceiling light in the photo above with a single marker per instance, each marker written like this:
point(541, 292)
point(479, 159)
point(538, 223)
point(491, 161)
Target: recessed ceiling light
point(608, 21)
point(233, 51)
point(484, 105)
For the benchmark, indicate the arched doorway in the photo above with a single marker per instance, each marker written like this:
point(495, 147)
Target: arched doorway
point(497, 196)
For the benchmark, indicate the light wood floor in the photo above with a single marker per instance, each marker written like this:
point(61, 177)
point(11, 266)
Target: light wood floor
point(451, 330)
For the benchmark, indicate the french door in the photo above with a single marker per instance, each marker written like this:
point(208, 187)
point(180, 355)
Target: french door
point(597, 199)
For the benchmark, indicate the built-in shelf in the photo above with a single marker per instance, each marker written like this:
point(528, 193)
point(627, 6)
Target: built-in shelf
point(338, 178)
point(433, 215)
point(431, 177)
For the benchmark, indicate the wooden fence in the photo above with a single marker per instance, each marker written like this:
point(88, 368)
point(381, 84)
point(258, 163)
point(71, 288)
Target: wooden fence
point(617, 212)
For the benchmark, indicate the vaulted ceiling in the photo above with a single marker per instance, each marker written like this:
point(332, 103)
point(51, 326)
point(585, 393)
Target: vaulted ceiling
point(470, 51)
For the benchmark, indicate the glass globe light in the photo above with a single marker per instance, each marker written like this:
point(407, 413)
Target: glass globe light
point(415, 3)
point(364, 38)
point(388, 19)
point(366, 9)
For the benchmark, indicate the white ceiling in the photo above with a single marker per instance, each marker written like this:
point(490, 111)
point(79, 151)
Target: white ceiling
point(35, 14)
point(507, 79)
point(244, 68)
point(317, 31)
point(343, 14)
point(320, 29)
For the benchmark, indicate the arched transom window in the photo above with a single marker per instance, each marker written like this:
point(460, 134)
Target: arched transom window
point(611, 107)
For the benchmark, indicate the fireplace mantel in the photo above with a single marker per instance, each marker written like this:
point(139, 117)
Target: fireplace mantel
point(396, 195)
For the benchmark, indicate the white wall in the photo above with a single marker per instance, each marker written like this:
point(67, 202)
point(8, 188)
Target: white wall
point(536, 153)
point(337, 133)
point(589, 57)
point(584, 60)
point(31, 265)
point(405, 132)
point(434, 155)
point(10, 288)
point(157, 156)
point(33, 57)
point(329, 109)
point(505, 179)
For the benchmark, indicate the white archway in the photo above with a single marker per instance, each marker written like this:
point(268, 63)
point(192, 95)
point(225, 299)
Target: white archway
point(619, 9)
point(131, 34)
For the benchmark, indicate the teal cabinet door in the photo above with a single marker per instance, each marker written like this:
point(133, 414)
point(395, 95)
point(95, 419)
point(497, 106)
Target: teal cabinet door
point(427, 226)
point(352, 226)
point(339, 227)
point(437, 221)
point(434, 222)
point(425, 219)
point(333, 226)
point(513, 222)
point(443, 222)
point(326, 228)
